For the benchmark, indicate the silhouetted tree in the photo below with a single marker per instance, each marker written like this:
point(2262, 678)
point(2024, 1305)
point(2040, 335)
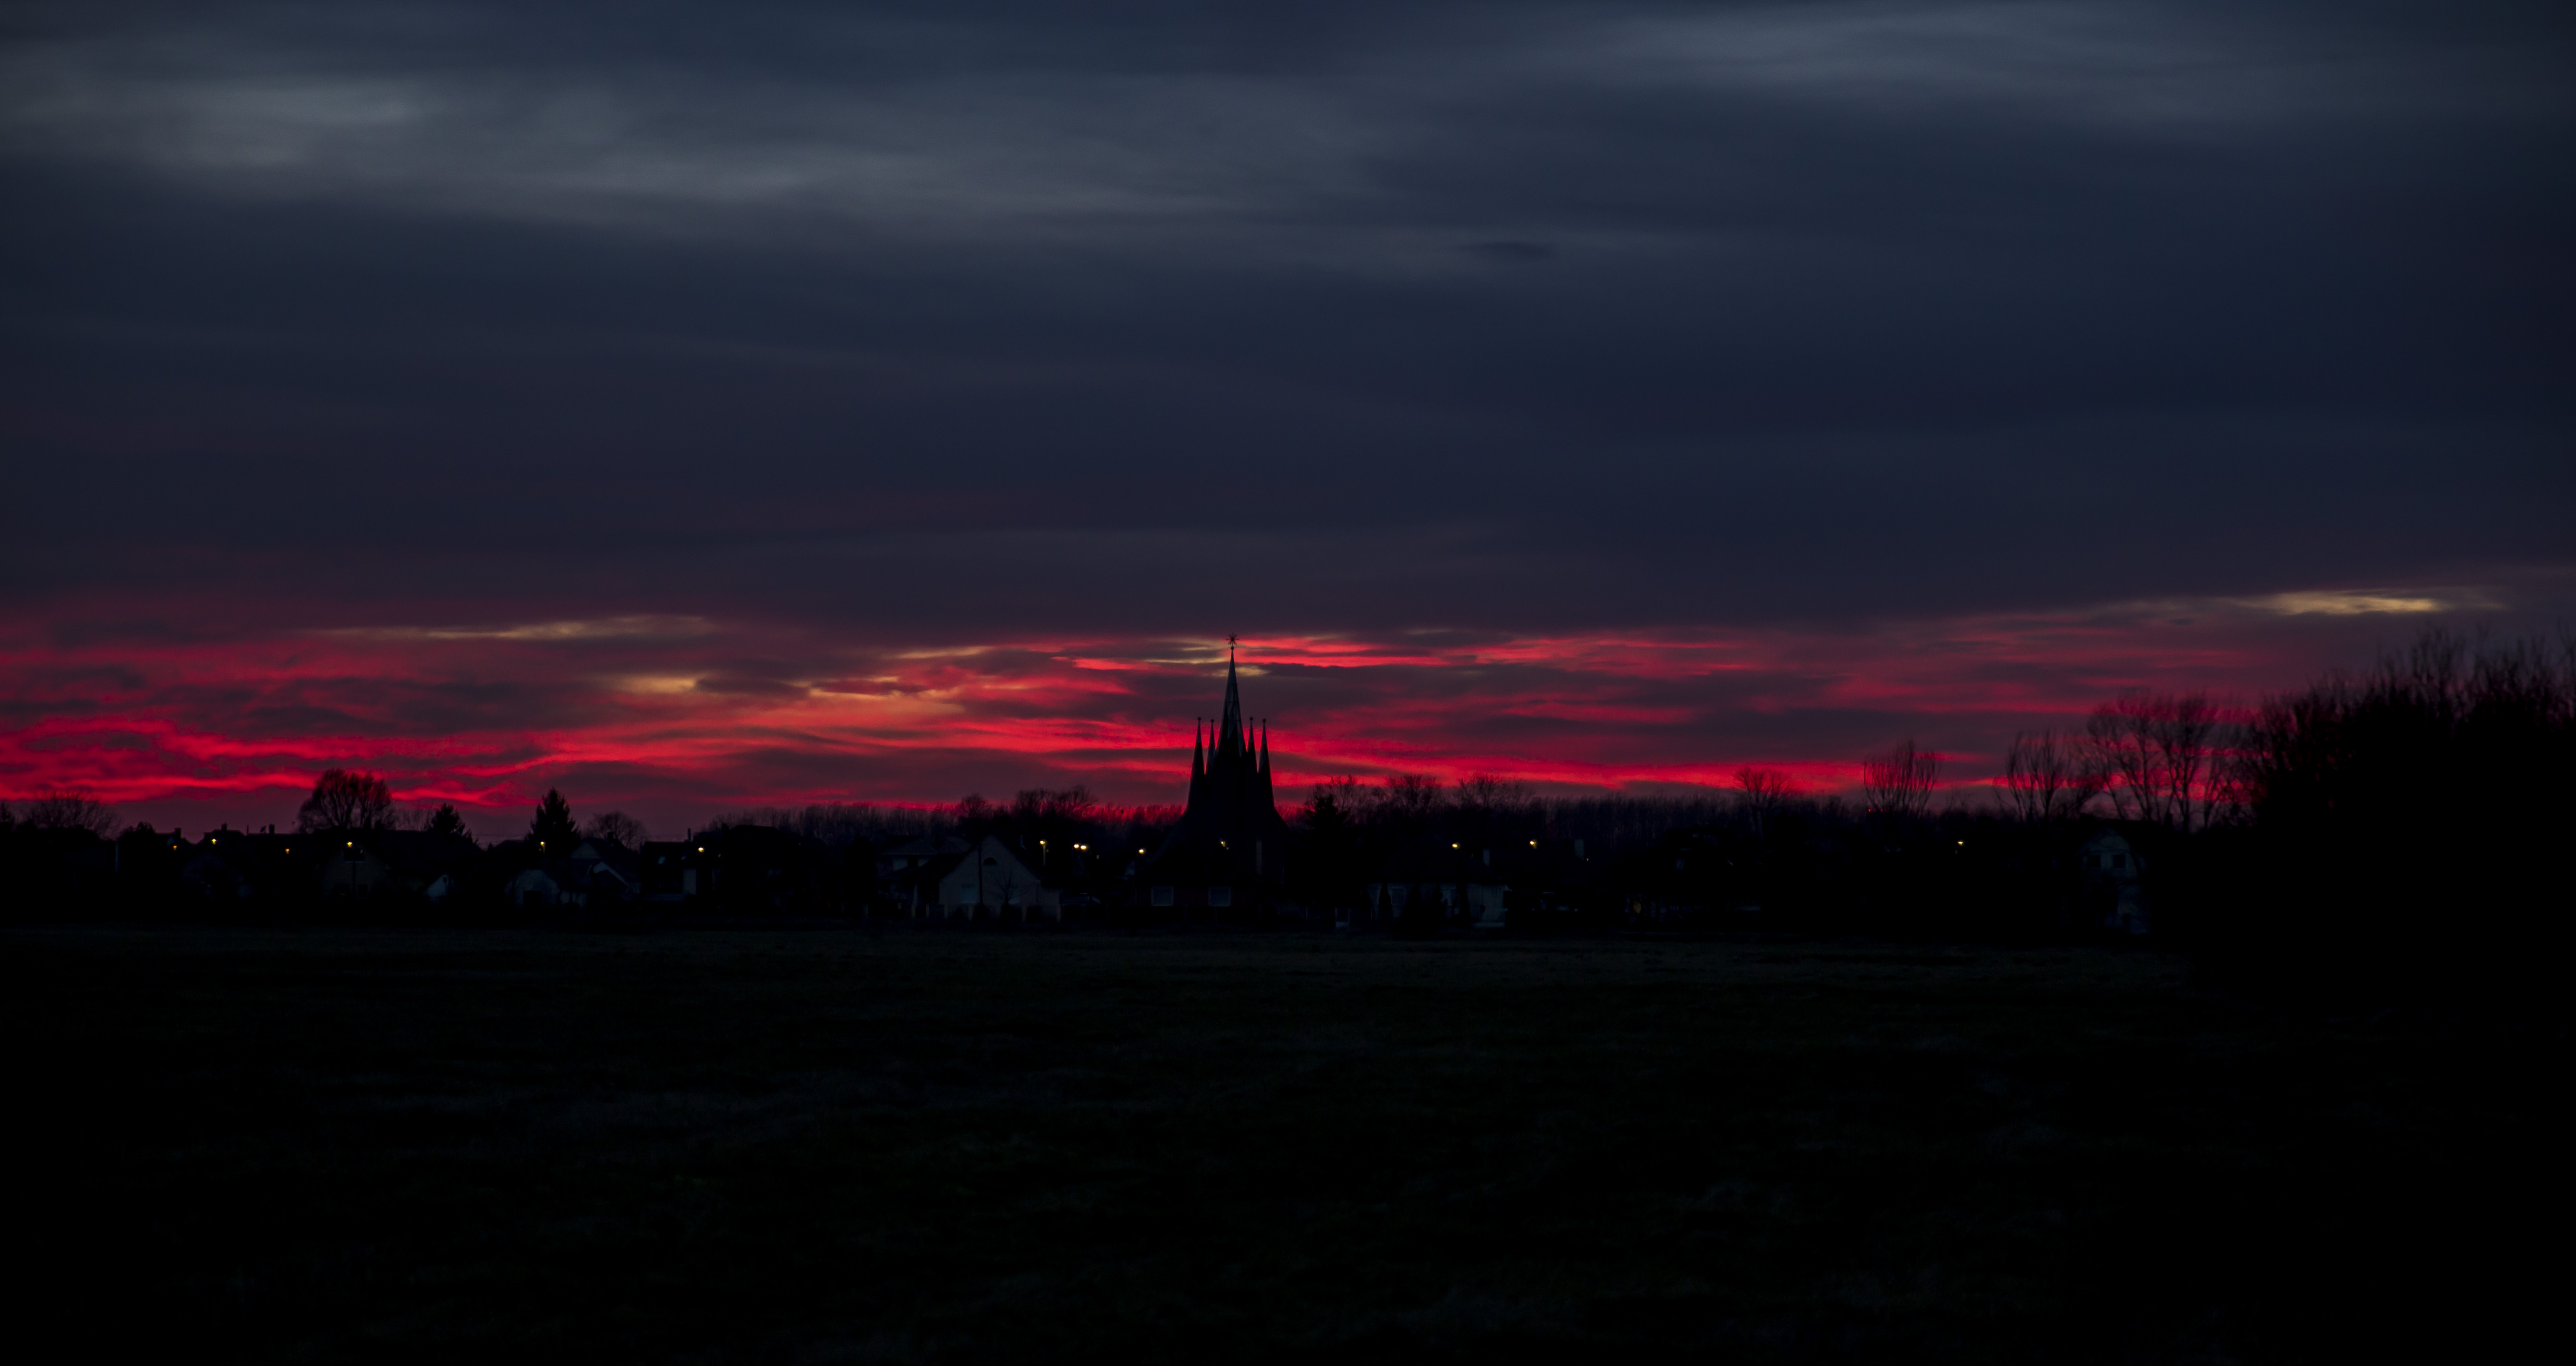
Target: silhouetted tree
point(1484, 792)
point(2413, 821)
point(840, 825)
point(1487, 810)
point(1047, 822)
point(2158, 755)
point(1765, 791)
point(618, 827)
point(347, 799)
point(69, 808)
point(1403, 806)
point(553, 828)
point(1328, 867)
point(2047, 779)
point(1898, 788)
point(1069, 806)
point(446, 820)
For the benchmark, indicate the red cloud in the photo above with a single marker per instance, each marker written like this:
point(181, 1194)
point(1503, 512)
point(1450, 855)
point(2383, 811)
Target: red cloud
point(676, 716)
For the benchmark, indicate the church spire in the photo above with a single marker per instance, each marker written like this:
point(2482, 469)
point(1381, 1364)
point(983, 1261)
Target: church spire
point(1267, 798)
point(1198, 760)
point(1231, 830)
point(1229, 732)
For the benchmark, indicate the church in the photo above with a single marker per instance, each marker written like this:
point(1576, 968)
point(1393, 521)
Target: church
point(1229, 853)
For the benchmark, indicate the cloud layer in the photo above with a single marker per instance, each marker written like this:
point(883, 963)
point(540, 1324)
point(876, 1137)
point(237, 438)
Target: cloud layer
point(675, 718)
point(484, 389)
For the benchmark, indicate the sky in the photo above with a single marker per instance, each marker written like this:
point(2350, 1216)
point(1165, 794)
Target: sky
point(702, 406)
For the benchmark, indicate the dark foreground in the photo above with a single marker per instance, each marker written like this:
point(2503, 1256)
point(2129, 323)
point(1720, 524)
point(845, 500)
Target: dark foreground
point(825, 1147)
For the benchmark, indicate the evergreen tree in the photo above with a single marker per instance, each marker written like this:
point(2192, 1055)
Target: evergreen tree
point(553, 827)
point(1331, 851)
point(448, 821)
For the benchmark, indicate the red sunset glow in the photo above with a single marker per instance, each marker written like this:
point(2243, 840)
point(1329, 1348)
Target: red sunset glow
point(678, 716)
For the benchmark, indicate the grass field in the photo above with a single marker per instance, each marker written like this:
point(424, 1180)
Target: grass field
point(840, 1146)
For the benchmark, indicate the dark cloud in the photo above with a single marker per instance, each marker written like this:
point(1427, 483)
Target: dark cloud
point(902, 326)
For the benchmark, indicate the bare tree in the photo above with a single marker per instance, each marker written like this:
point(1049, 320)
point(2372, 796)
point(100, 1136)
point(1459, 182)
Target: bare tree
point(1342, 794)
point(619, 828)
point(2047, 779)
point(344, 799)
point(839, 825)
point(1405, 801)
point(69, 808)
point(1765, 791)
point(1483, 792)
point(1898, 788)
point(1069, 806)
point(2158, 754)
point(1489, 810)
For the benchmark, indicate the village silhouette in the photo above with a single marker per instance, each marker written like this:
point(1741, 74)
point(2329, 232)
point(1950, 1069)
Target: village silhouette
point(617, 742)
point(2294, 835)
point(2209, 1033)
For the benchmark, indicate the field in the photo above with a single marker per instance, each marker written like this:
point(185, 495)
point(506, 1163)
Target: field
point(836, 1146)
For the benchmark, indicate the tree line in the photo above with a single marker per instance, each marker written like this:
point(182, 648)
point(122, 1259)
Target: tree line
point(2405, 818)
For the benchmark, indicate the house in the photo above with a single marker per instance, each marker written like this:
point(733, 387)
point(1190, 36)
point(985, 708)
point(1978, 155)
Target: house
point(1458, 891)
point(350, 870)
point(536, 889)
point(263, 864)
point(220, 867)
point(605, 871)
point(666, 871)
point(740, 870)
point(988, 881)
point(1479, 905)
point(2112, 864)
point(371, 864)
point(908, 873)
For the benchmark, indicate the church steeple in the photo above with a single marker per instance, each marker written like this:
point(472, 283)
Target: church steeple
point(1198, 761)
point(1231, 831)
point(1229, 732)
